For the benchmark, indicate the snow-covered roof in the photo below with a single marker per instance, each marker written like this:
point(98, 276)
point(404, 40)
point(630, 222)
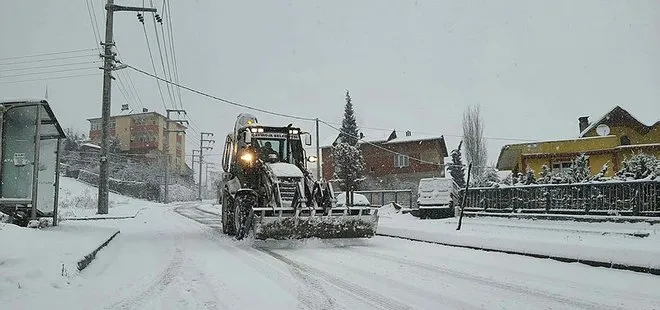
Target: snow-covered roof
point(615, 110)
point(373, 136)
point(94, 146)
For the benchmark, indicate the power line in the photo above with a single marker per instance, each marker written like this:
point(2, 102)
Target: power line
point(160, 90)
point(50, 66)
point(160, 53)
point(42, 60)
point(435, 134)
point(50, 78)
point(45, 72)
point(171, 34)
point(95, 26)
point(221, 99)
point(393, 152)
point(48, 54)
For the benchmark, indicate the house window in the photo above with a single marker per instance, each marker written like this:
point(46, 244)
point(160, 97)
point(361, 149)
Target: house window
point(559, 166)
point(401, 161)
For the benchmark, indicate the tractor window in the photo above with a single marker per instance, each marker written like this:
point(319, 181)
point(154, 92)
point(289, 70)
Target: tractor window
point(269, 147)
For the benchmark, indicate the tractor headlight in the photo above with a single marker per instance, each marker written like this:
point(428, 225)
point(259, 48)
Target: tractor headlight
point(247, 157)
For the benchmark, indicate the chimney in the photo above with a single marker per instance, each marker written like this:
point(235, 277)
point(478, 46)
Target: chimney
point(408, 133)
point(584, 122)
point(145, 110)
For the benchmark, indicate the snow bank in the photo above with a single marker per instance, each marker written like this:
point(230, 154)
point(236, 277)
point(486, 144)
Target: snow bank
point(609, 242)
point(33, 260)
point(79, 200)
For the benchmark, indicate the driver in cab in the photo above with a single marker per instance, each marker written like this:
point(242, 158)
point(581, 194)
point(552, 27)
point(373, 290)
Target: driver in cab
point(268, 153)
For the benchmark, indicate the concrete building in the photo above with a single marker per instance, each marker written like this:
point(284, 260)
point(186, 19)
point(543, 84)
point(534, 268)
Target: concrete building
point(144, 133)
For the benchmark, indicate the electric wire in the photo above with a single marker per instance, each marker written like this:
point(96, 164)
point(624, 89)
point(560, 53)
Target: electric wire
point(45, 72)
point(221, 99)
point(49, 59)
point(160, 52)
point(50, 66)
point(48, 54)
point(50, 78)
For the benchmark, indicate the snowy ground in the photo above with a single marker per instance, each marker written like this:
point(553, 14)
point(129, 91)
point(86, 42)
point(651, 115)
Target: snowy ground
point(174, 257)
point(623, 243)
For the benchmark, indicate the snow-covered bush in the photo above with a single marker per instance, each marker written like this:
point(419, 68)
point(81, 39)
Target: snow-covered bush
point(579, 171)
point(639, 166)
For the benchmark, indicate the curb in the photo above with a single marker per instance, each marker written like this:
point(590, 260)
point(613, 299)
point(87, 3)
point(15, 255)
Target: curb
point(83, 263)
point(592, 263)
point(99, 218)
point(564, 217)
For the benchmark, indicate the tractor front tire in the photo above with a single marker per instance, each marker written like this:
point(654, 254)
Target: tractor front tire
point(227, 215)
point(243, 215)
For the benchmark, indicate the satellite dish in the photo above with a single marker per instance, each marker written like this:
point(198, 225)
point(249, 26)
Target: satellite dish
point(603, 130)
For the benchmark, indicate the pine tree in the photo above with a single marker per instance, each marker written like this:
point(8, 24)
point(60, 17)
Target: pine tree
point(545, 176)
point(349, 166)
point(639, 166)
point(600, 176)
point(579, 170)
point(529, 177)
point(346, 155)
point(456, 169)
point(349, 129)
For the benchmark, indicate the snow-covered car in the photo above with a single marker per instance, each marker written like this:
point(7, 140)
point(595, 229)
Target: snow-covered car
point(358, 200)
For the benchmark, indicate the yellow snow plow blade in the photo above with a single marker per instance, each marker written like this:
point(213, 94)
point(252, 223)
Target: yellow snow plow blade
point(356, 223)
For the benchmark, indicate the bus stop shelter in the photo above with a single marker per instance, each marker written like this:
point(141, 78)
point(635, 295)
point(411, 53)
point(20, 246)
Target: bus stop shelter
point(30, 138)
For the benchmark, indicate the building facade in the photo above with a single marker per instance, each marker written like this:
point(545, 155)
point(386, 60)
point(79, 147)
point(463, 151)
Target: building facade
point(614, 137)
point(145, 133)
point(392, 163)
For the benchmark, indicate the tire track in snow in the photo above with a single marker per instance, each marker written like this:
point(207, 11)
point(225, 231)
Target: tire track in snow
point(163, 280)
point(422, 292)
point(310, 293)
point(488, 282)
point(369, 296)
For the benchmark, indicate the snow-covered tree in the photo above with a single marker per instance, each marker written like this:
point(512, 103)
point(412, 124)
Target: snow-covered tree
point(579, 170)
point(489, 177)
point(545, 176)
point(475, 144)
point(639, 166)
point(456, 168)
point(529, 177)
point(346, 155)
point(600, 176)
point(349, 166)
point(349, 129)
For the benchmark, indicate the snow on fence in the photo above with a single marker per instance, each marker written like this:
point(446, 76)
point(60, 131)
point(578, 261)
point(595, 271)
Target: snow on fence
point(637, 198)
point(378, 198)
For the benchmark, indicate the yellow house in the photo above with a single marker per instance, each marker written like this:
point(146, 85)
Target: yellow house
point(611, 139)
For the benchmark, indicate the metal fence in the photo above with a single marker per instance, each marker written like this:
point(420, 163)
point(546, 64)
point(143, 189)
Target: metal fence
point(378, 198)
point(637, 198)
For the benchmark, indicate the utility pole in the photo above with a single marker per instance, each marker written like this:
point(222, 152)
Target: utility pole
point(192, 164)
point(166, 146)
point(108, 66)
point(318, 153)
point(201, 158)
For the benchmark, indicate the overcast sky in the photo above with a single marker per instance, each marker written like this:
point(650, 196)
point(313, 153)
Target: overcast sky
point(533, 66)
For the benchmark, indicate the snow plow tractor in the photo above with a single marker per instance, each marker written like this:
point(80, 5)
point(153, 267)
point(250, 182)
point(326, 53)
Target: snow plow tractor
point(267, 191)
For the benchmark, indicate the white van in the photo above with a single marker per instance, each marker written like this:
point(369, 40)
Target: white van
point(435, 197)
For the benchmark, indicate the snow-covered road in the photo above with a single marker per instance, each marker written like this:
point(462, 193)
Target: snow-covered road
point(174, 257)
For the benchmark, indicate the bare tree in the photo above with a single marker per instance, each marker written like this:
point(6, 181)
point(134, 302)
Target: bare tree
point(475, 144)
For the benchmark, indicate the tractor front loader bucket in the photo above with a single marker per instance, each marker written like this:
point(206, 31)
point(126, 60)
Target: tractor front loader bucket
point(359, 222)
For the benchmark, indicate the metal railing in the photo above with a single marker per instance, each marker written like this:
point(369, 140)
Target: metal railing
point(378, 198)
point(636, 198)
